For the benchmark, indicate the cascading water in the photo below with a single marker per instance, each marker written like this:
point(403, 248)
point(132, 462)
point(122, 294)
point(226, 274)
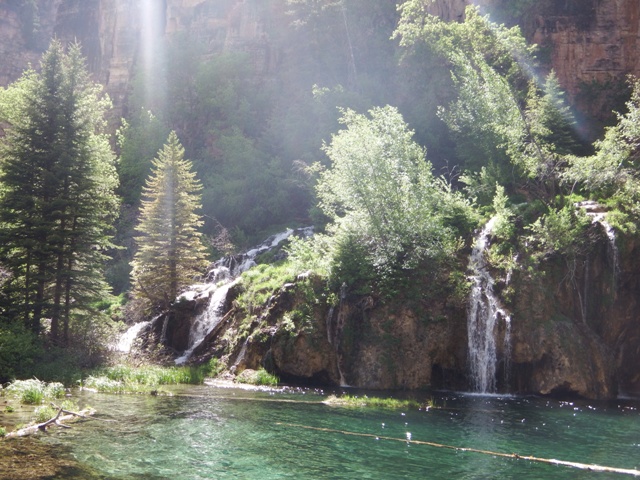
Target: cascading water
point(598, 214)
point(483, 315)
point(207, 320)
point(219, 279)
point(125, 342)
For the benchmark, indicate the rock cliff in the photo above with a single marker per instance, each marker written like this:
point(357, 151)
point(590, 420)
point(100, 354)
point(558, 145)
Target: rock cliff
point(115, 34)
point(574, 330)
point(590, 43)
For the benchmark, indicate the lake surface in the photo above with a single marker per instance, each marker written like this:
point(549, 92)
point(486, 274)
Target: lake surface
point(211, 432)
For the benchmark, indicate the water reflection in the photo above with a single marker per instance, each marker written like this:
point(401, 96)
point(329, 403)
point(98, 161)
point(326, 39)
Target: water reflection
point(208, 432)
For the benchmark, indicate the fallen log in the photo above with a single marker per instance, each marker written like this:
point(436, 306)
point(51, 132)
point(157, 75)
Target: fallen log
point(62, 415)
point(408, 440)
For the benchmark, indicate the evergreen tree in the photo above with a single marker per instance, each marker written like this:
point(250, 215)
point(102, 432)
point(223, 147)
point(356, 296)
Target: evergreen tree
point(57, 203)
point(170, 253)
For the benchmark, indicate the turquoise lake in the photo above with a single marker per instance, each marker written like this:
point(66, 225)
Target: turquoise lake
point(211, 432)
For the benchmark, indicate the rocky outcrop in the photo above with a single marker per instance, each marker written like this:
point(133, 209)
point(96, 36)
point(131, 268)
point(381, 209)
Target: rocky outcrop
point(590, 41)
point(576, 328)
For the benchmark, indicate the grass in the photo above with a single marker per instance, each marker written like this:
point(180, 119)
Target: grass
point(261, 282)
point(258, 377)
point(147, 378)
point(35, 391)
point(372, 402)
point(44, 413)
point(3, 432)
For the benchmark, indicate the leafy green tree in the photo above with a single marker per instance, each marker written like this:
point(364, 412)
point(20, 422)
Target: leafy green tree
point(380, 189)
point(506, 123)
point(611, 173)
point(58, 202)
point(170, 253)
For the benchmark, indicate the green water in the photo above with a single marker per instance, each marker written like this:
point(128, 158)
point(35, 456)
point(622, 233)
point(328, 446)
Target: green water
point(220, 433)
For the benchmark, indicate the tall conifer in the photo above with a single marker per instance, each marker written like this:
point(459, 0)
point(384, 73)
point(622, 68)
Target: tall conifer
point(170, 254)
point(57, 202)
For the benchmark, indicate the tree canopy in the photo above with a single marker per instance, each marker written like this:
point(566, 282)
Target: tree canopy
point(380, 189)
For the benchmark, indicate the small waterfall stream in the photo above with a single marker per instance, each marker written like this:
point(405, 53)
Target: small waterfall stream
point(598, 214)
point(207, 320)
point(125, 342)
point(220, 279)
point(484, 312)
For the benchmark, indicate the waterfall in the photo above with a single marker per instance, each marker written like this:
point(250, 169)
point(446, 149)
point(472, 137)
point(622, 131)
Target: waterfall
point(484, 311)
point(125, 342)
point(219, 280)
point(598, 214)
point(207, 320)
point(613, 249)
point(224, 275)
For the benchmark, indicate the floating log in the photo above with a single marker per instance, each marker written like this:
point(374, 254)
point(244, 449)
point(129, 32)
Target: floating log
point(61, 416)
point(552, 461)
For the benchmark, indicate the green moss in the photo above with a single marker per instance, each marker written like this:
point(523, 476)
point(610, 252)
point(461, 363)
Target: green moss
point(372, 402)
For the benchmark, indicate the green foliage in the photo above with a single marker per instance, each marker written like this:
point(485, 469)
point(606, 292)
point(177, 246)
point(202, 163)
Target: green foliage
point(260, 283)
point(58, 201)
point(19, 349)
point(314, 253)
point(380, 190)
point(3, 431)
point(351, 265)
point(153, 375)
point(611, 174)
point(35, 391)
point(354, 401)
point(214, 367)
point(170, 253)
point(502, 121)
point(503, 227)
point(44, 413)
point(561, 231)
point(139, 140)
point(144, 379)
point(258, 377)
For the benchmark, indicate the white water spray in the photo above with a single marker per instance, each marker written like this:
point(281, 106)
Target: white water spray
point(220, 279)
point(483, 315)
point(207, 320)
point(125, 343)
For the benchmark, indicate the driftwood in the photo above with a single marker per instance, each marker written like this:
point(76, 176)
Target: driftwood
point(61, 416)
point(408, 440)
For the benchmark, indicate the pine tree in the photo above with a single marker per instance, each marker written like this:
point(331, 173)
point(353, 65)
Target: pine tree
point(170, 254)
point(57, 203)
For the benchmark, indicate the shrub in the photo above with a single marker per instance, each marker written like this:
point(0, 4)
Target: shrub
point(35, 391)
point(258, 377)
point(18, 350)
point(44, 413)
point(3, 432)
